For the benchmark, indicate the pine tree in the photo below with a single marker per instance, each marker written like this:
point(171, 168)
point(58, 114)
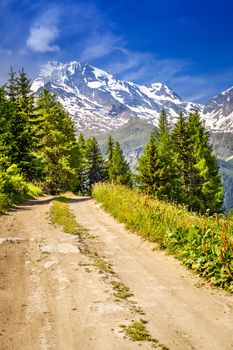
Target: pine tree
point(11, 86)
point(23, 122)
point(181, 157)
point(95, 168)
point(110, 146)
point(58, 145)
point(157, 173)
point(147, 167)
point(6, 135)
point(80, 185)
point(168, 183)
point(119, 171)
point(204, 185)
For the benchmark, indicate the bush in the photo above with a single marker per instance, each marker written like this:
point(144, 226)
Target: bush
point(14, 189)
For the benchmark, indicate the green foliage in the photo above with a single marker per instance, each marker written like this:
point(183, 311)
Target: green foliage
point(204, 187)
point(58, 146)
point(204, 244)
point(110, 146)
point(118, 168)
point(92, 167)
point(37, 143)
point(21, 126)
point(181, 167)
point(80, 181)
point(13, 187)
point(95, 167)
point(131, 136)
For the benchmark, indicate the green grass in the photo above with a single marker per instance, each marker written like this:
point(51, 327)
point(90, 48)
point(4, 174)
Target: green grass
point(121, 291)
point(61, 215)
point(137, 331)
point(204, 244)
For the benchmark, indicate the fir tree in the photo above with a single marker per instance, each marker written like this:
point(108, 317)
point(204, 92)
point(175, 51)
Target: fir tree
point(11, 85)
point(110, 146)
point(148, 165)
point(6, 135)
point(80, 185)
point(95, 170)
point(168, 183)
point(58, 145)
point(109, 151)
point(119, 171)
point(204, 186)
point(23, 122)
point(157, 173)
point(181, 157)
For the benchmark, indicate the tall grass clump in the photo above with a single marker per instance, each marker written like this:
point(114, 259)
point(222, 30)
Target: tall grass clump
point(204, 244)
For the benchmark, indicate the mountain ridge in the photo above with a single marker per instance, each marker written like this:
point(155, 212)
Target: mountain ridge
point(99, 101)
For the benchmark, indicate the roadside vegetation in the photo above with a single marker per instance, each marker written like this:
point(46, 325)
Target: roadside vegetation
point(203, 243)
point(39, 151)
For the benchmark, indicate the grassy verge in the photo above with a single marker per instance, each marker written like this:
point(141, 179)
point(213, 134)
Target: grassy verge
point(204, 244)
point(61, 215)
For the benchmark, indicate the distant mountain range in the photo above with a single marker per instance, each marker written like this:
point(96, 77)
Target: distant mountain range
point(99, 101)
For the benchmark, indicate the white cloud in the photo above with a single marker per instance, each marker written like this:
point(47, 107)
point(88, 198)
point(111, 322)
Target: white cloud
point(44, 31)
point(41, 38)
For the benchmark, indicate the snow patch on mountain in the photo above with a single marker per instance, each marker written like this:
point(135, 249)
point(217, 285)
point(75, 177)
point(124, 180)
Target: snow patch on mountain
point(96, 100)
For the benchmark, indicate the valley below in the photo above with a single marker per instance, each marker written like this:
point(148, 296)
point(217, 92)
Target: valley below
point(63, 291)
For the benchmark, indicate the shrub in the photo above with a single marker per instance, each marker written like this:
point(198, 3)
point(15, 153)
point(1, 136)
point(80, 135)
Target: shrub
point(14, 189)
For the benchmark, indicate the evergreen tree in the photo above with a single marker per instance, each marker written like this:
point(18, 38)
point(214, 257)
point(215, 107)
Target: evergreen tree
point(157, 173)
point(58, 145)
point(119, 171)
point(23, 121)
point(182, 157)
point(148, 164)
point(109, 152)
point(95, 170)
point(80, 185)
point(11, 86)
point(110, 146)
point(6, 135)
point(168, 183)
point(204, 185)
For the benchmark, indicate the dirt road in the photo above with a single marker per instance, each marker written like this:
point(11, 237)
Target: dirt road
point(54, 296)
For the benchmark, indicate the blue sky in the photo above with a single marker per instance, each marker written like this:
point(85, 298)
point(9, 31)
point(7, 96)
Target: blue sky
point(186, 44)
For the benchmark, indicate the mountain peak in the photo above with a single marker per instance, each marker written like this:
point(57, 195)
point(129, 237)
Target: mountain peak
point(98, 100)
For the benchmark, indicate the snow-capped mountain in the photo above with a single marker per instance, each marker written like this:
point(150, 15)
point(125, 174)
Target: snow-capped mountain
point(97, 100)
point(218, 113)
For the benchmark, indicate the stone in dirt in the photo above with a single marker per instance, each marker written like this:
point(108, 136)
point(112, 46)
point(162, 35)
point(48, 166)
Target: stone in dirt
point(63, 248)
